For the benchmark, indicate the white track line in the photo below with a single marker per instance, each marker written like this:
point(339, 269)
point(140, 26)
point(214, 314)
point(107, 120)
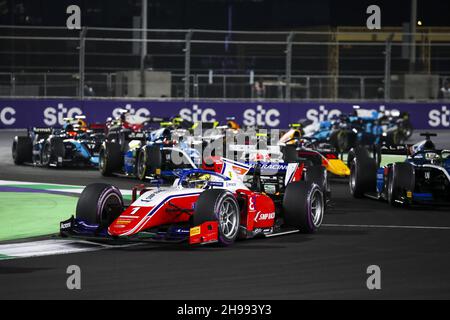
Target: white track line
point(281, 233)
point(385, 226)
point(53, 247)
point(61, 187)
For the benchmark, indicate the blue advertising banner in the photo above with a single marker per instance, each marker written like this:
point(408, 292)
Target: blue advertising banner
point(24, 113)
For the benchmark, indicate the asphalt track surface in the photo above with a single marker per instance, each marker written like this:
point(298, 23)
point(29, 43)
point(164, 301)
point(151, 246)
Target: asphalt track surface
point(412, 248)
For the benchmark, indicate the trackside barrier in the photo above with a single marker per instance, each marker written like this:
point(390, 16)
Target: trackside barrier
point(24, 113)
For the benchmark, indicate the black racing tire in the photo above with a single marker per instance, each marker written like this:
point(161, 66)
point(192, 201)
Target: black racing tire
point(303, 206)
point(110, 159)
point(377, 155)
point(395, 137)
point(360, 152)
point(363, 176)
point(400, 180)
point(119, 137)
point(290, 154)
point(407, 129)
point(99, 203)
point(316, 175)
point(209, 207)
point(149, 161)
point(52, 150)
point(22, 150)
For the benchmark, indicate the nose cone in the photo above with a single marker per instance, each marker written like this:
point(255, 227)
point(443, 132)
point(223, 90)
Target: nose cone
point(133, 220)
point(338, 167)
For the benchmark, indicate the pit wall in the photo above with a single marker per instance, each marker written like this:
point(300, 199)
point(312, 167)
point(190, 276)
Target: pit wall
point(25, 113)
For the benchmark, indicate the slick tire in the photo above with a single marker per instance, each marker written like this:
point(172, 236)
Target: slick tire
point(52, 151)
point(290, 154)
point(100, 204)
point(110, 159)
point(303, 206)
point(400, 180)
point(149, 161)
point(363, 176)
point(221, 206)
point(360, 152)
point(22, 150)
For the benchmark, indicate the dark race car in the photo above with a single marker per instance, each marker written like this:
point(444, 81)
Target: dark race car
point(76, 144)
point(423, 179)
point(145, 155)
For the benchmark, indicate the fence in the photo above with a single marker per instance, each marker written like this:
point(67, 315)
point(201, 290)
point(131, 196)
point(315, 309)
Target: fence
point(346, 63)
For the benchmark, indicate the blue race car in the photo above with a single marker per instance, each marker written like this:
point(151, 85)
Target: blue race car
point(146, 155)
point(424, 177)
point(362, 128)
point(76, 144)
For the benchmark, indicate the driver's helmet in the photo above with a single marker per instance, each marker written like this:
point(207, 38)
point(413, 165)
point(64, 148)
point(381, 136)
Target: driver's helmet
point(233, 125)
point(177, 121)
point(82, 125)
point(198, 180)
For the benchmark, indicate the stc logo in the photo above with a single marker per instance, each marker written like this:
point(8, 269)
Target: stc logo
point(55, 116)
point(322, 114)
point(7, 116)
point(261, 117)
point(197, 114)
point(141, 112)
point(439, 117)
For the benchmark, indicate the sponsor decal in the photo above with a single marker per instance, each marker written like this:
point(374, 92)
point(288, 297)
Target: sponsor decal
point(197, 114)
point(122, 222)
point(264, 216)
point(439, 117)
point(194, 231)
point(140, 112)
point(65, 226)
point(7, 116)
point(260, 116)
point(56, 116)
point(26, 113)
point(274, 166)
point(322, 114)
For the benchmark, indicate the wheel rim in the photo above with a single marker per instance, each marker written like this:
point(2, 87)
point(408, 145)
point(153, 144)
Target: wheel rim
point(14, 151)
point(46, 154)
point(317, 208)
point(111, 207)
point(352, 178)
point(390, 189)
point(102, 161)
point(142, 165)
point(228, 218)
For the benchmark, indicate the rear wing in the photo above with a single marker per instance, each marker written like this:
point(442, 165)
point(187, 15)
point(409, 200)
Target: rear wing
point(97, 126)
point(398, 150)
point(37, 130)
point(291, 172)
point(136, 136)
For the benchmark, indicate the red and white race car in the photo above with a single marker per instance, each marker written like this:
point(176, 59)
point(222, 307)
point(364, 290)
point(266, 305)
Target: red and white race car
point(224, 201)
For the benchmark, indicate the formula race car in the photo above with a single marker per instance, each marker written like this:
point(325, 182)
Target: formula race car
point(362, 128)
point(76, 144)
point(319, 153)
point(145, 155)
point(290, 148)
point(228, 201)
point(424, 178)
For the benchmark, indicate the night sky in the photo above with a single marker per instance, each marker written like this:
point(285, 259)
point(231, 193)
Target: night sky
point(221, 14)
